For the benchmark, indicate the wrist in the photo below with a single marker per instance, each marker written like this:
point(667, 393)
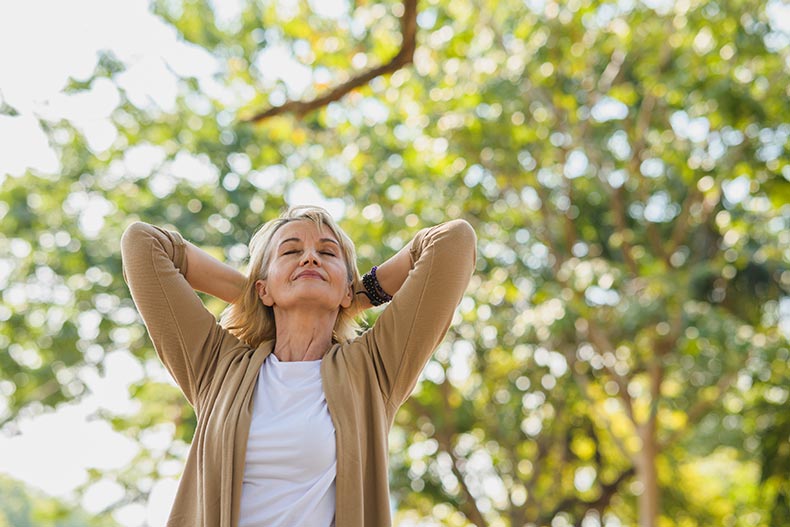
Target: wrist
point(373, 289)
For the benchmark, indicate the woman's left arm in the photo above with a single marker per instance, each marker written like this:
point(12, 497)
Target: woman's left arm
point(427, 280)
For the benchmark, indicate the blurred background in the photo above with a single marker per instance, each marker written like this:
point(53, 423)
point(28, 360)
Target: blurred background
point(621, 356)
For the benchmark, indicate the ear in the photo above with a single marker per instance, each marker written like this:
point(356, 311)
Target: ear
point(263, 293)
point(348, 297)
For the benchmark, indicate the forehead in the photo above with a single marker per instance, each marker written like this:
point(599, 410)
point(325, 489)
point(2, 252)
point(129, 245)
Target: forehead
point(304, 230)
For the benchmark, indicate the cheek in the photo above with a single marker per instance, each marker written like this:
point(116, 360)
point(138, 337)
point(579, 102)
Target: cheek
point(340, 272)
point(277, 276)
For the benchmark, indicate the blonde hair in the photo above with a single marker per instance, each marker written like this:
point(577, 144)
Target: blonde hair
point(252, 322)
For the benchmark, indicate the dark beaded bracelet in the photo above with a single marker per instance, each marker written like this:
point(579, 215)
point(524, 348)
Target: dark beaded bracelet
point(374, 299)
point(377, 285)
point(370, 290)
point(373, 289)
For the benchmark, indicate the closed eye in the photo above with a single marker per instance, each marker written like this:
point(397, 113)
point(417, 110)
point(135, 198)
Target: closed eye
point(322, 252)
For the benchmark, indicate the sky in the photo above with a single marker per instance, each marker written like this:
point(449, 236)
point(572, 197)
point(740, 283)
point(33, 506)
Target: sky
point(42, 44)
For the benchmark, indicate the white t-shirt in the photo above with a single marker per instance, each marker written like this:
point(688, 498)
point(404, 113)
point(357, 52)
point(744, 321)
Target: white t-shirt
point(290, 468)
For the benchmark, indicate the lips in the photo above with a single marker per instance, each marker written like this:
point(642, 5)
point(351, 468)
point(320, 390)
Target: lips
point(309, 274)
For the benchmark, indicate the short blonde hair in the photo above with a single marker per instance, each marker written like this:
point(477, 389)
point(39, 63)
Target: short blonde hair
point(253, 322)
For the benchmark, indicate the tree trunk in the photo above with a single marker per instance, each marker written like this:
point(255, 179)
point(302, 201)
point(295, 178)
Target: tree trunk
point(646, 466)
point(648, 477)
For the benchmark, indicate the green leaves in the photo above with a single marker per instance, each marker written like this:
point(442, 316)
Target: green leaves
point(625, 169)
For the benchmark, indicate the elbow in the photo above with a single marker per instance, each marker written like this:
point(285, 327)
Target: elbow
point(461, 237)
point(130, 242)
point(132, 233)
point(140, 239)
point(135, 227)
point(463, 230)
point(137, 236)
point(463, 233)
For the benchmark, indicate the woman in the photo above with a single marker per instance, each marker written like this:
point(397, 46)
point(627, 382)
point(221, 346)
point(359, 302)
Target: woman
point(293, 406)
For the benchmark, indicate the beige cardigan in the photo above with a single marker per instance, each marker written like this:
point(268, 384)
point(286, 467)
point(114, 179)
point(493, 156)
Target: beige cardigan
point(365, 380)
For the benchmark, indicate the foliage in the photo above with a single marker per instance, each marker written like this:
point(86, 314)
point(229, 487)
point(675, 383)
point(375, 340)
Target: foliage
point(22, 507)
point(626, 168)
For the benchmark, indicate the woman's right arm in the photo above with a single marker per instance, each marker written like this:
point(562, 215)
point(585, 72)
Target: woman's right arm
point(209, 275)
point(186, 336)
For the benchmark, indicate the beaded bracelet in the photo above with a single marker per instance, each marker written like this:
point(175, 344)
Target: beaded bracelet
point(374, 291)
point(376, 283)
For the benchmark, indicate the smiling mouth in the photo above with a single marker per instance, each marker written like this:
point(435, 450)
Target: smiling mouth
point(310, 275)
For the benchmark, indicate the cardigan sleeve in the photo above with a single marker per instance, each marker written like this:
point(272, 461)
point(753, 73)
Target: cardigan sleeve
point(410, 328)
point(185, 335)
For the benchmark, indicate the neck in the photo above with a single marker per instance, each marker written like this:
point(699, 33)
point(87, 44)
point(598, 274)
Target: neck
point(303, 335)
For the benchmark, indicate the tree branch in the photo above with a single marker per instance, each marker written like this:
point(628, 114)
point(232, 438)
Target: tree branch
point(601, 341)
point(570, 228)
point(622, 228)
point(612, 72)
point(681, 228)
point(445, 441)
point(696, 197)
point(656, 373)
point(470, 511)
point(444, 436)
point(701, 408)
point(548, 215)
point(543, 444)
point(405, 56)
point(641, 126)
point(608, 490)
point(603, 419)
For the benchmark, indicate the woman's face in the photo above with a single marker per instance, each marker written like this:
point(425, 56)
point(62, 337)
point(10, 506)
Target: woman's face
point(307, 268)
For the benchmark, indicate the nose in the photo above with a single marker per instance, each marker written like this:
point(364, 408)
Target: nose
point(310, 256)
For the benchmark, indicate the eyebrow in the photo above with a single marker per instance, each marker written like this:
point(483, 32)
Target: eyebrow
point(299, 239)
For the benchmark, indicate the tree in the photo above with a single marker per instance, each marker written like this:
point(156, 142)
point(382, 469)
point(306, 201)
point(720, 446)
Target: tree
point(625, 167)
